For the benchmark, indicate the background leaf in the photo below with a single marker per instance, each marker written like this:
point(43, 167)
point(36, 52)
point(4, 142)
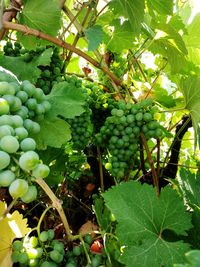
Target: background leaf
point(49, 129)
point(95, 35)
point(142, 217)
point(43, 15)
point(161, 6)
point(66, 100)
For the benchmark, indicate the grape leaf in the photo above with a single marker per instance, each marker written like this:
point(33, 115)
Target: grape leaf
point(43, 15)
point(12, 226)
point(95, 35)
point(24, 70)
point(161, 6)
point(122, 37)
point(132, 10)
point(189, 186)
point(7, 76)
point(190, 88)
point(193, 259)
point(142, 217)
point(66, 100)
point(193, 37)
point(53, 133)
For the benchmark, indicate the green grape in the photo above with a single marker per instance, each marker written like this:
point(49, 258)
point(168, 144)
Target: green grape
point(15, 256)
point(28, 87)
point(5, 130)
point(35, 253)
point(70, 264)
point(41, 171)
point(139, 116)
point(28, 124)
point(9, 144)
point(28, 144)
point(35, 128)
point(51, 234)
point(18, 188)
point(76, 251)
point(30, 195)
point(56, 256)
point(6, 120)
point(4, 106)
point(88, 239)
point(23, 112)
point(23, 96)
point(23, 258)
point(29, 160)
point(33, 262)
point(4, 160)
point(21, 133)
point(16, 104)
point(17, 245)
point(96, 261)
point(147, 117)
point(17, 121)
point(33, 241)
point(39, 94)
point(31, 103)
point(6, 178)
point(48, 264)
point(59, 247)
point(43, 237)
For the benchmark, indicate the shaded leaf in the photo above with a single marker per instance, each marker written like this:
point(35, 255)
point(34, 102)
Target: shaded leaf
point(103, 214)
point(43, 15)
point(142, 217)
point(122, 37)
point(66, 100)
point(161, 6)
point(24, 70)
point(12, 226)
point(190, 88)
point(193, 37)
point(53, 133)
point(95, 35)
point(132, 10)
point(163, 98)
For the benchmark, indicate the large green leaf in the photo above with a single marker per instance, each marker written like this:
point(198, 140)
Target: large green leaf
point(95, 36)
point(161, 6)
point(53, 133)
point(66, 100)
point(190, 88)
point(43, 15)
point(142, 219)
point(24, 70)
point(122, 37)
point(193, 37)
point(132, 10)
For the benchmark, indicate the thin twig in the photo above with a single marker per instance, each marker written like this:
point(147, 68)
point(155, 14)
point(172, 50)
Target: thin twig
point(100, 169)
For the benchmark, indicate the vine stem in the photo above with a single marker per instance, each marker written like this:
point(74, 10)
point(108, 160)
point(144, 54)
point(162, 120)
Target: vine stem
point(56, 203)
point(29, 31)
point(41, 219)
point(150, 160)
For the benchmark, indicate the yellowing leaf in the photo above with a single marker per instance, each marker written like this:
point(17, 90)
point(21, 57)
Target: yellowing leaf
point(11, 226)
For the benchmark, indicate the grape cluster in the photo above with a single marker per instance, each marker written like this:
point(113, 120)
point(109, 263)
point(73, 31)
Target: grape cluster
point(51, 74)
point(20, 105)
point(121, 131)
point(81, 126)
point(76, 257)
point(41, 251)
point(12, 50)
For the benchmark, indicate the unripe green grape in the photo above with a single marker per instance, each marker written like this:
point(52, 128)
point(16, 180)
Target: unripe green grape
point(18, 188)
point(4, 106)
point(139, 116)
point(5, 130)
point(43, 237)
point(15, 256)
point(33, 262)
point(48, 264)
point(17, 121)
point(28, 144)
point(29, 160)
point(51, 234)
point(17, 245)
point(31, 103)
point(4, 160)
point(88, 239)
point(23, 258)
point(23, 96)
point(28, 87)
point(36, 128)
point(22, 112)
point(41, 171)
point(76, 251)
point(30, 195)
point(6, 120)
point(16, 105)
point(9, 144)
point(21, 133)
point(33, 241)
point(28, 124)
point(56, 256)
point(6, 178)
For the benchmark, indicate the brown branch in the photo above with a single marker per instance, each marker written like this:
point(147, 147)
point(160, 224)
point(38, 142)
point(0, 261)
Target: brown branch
point(150, 160)
point(8, 16)
point(29, 31)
